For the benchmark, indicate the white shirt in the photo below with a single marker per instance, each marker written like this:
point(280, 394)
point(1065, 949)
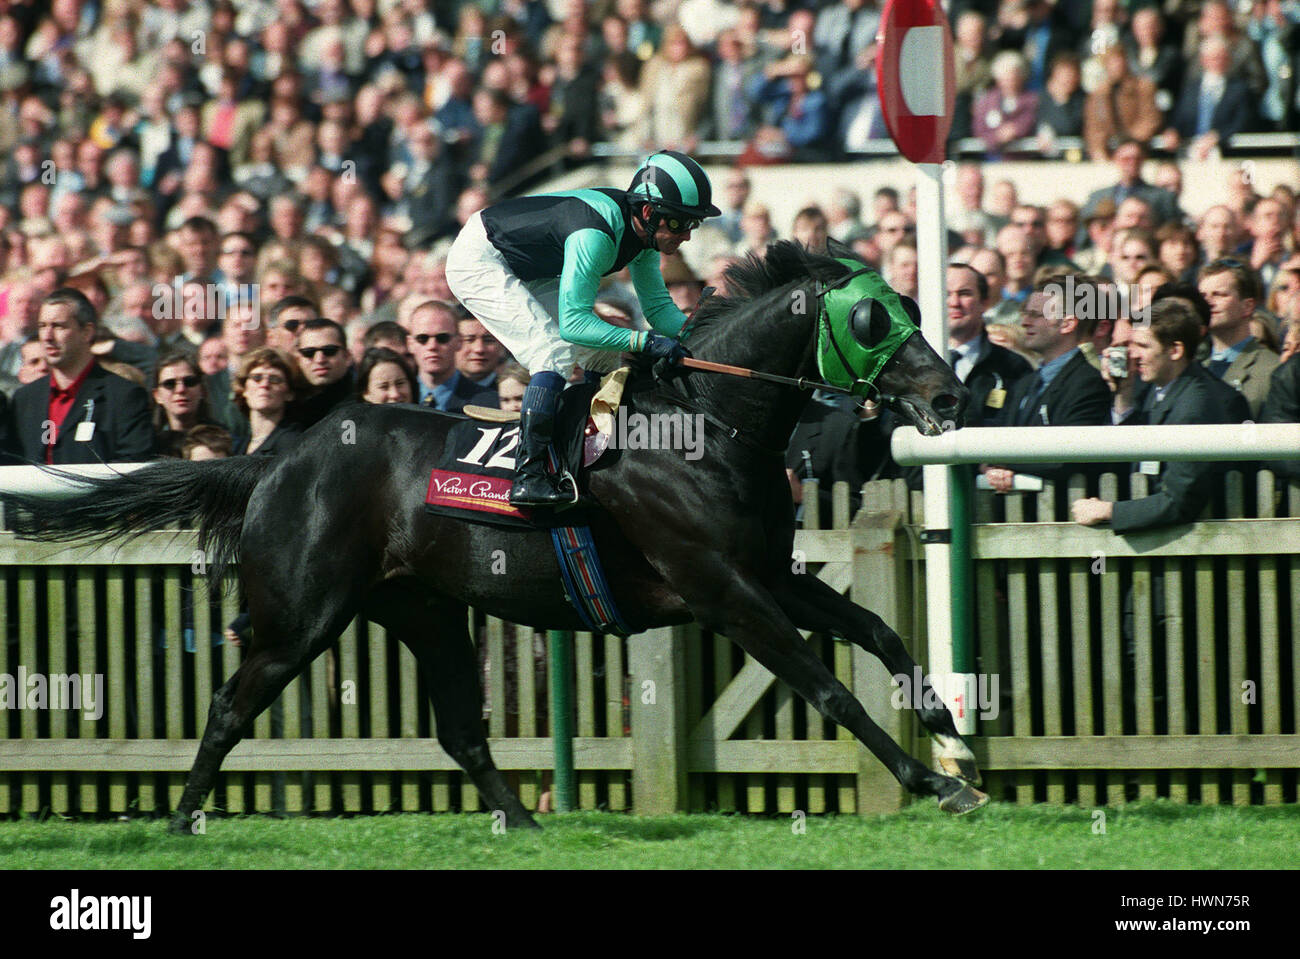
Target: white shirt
point(968, 353)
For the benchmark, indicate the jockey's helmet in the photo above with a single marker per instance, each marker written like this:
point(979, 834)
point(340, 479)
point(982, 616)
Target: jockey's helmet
point(674, 184)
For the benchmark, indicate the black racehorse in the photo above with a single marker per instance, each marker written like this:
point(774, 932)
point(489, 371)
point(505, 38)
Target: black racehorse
point(337, 528)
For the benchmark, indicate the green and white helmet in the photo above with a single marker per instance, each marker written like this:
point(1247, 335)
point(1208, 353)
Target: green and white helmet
point(673, 183)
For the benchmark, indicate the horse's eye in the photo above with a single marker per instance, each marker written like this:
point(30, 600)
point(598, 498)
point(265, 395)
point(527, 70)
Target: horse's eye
point(913, 310)
point(869, 321)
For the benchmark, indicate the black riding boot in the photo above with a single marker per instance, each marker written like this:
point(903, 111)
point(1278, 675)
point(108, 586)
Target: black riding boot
point(534, 486)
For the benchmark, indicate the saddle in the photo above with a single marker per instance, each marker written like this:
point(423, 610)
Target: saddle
point(476, 472)
point(477, 466)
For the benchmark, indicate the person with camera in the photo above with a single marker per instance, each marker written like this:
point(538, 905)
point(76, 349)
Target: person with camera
point(1162, 352)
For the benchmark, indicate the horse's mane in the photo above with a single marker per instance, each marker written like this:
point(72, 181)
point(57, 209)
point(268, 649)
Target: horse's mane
point(784, 262)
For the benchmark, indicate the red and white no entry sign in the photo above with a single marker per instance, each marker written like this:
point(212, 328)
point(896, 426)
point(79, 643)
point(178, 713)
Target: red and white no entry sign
point(916, 77)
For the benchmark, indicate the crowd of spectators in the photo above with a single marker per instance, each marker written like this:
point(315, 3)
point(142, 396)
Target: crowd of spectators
point(254, 201)
point(1120, 310)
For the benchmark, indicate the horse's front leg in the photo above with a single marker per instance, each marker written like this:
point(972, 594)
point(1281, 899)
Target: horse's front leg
point(747, 613)
point(813, 605)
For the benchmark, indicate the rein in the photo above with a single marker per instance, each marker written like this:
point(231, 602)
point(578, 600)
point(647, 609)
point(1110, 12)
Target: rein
point(802, 382)
point(860, 387)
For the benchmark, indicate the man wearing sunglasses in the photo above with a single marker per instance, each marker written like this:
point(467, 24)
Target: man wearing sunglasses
point(326, 364)
point(286, 319)
point(529, 269)
point(434, 343)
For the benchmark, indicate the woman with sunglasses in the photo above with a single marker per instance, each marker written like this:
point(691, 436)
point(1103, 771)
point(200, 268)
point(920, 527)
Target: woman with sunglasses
point(265, 388)
point(528, 268)
point(180, 401)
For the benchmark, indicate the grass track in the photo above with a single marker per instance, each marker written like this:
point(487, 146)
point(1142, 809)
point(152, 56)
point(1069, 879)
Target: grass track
point(1150, 835)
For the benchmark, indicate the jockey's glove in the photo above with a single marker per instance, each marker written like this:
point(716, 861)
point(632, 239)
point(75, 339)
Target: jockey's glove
point(665, 354)
point(660, 347)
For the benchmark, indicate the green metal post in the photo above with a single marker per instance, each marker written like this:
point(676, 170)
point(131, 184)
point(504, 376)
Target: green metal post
point(560, 643)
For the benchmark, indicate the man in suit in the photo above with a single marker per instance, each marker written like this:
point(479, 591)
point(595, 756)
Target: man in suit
point(79, 413)
point(574, 116)
point(731, 110)
point(1283, 406)
point(434, 341)
point(1211, 108)
point(1181, 392)
point(171, 164)
point(480, 353)
point(1128, 157)
point(429, 187)
point(1037, 30)
point(1236, 357)
point(511, 136)
point(735, 190)
point(832, 444)
point(989, 371)
point(1066, 390)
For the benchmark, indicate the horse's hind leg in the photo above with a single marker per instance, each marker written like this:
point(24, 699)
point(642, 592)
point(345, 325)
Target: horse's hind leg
point(451, 673)
point(275, 660)
point(811, 604)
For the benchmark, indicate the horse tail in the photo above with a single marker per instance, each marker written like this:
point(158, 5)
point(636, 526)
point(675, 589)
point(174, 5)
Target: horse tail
point(171, 494)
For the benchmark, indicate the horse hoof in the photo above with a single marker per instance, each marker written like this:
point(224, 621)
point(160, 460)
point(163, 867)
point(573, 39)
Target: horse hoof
point(963, 800)
point(960, 768)
point(522, 820)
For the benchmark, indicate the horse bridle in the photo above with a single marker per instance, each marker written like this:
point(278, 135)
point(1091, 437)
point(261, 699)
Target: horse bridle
point(804, 383)
point(824, 323)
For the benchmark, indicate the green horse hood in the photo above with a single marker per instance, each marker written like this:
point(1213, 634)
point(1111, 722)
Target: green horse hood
point(861, 324)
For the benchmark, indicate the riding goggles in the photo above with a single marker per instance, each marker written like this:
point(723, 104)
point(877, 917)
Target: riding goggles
point(677, 224)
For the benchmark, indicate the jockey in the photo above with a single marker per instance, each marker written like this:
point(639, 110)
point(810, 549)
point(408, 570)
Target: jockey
point(528, 268)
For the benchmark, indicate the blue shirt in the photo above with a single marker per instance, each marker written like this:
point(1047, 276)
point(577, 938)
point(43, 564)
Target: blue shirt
point(1049, 369)
point(1038, 38)
point(1042, 380)
point(1221, 360)
point(439, 396)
